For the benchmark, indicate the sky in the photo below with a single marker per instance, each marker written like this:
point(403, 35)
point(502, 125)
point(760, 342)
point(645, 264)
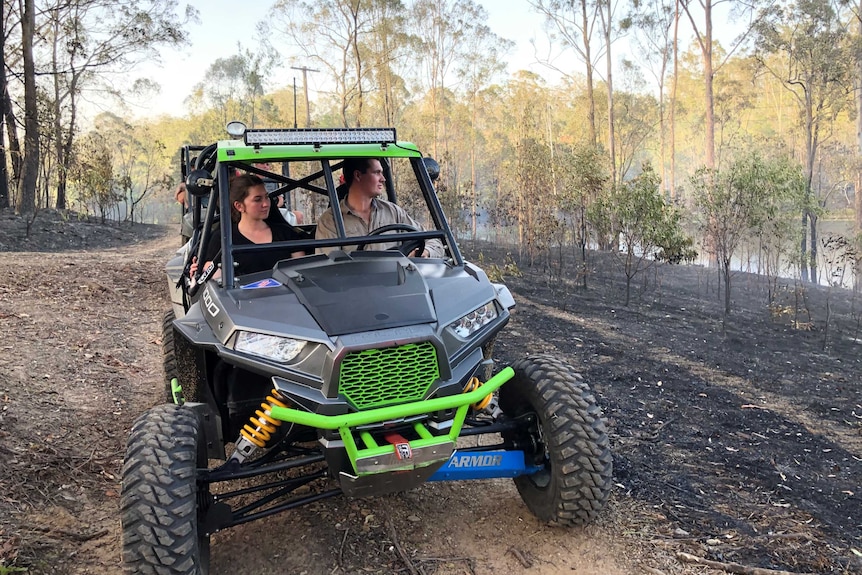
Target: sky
point(223, 25)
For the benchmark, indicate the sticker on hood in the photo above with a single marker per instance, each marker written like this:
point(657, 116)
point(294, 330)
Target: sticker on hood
point(267, 283)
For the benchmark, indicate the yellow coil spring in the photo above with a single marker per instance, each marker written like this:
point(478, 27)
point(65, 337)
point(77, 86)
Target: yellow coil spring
point(474, 384)
point(261, 426)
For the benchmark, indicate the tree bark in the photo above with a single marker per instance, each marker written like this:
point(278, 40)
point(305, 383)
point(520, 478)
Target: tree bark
point(672, 135)
point(812, 143)
point(858, 191)
point(12, 134)
point(30, 166)
point(4, 172)
point(708, 77)
point(704, 40)
point(588, 62)
point(609, 61)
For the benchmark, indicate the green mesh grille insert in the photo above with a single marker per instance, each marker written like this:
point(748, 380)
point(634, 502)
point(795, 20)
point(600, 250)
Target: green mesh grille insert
point(379, 377)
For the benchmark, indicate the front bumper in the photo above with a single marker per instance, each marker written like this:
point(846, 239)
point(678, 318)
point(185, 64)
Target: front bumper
point(427, 450)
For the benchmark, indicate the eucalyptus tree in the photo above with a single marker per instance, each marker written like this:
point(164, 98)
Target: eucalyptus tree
point(588, 28)
point(700, 15)
point(648, 227)
point(858, 180)
point(572, 24)
point(447, 32)
point(636, 126)
point(654, 22)
point(139, 161)
point(774, 218)
point(30, 161)
point(390, 47)
point(85, 43)
point(234, 87)
point(335, 35)
point(586, 181)
point(753, 196)
point(611, 25)
point(91, 173)
point(808, 48)
point(11, 61)
point(527, 189)
point(483, 61)
point(4, 170)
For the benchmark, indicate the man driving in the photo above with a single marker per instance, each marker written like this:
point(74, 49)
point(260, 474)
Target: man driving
point(364, 211)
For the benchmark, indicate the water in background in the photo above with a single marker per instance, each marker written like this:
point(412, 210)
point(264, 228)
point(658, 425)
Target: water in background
point(830, 268)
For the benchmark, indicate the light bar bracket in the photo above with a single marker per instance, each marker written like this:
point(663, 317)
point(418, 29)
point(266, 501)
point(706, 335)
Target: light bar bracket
point(319, 136)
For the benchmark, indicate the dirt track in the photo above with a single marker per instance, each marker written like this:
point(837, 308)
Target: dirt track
point(739, 445)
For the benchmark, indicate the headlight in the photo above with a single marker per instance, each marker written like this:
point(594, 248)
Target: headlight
point(475, 320)
point(272, 347)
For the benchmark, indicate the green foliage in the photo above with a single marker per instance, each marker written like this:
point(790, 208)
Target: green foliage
point(498, 273)
point(92, 174)
point(234, 89)
point(647, 226)
point(755, 197)
point(583, 179)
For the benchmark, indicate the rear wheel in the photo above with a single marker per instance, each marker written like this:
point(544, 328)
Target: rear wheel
point(162, 503)
point(169, 354)
point(564, 433)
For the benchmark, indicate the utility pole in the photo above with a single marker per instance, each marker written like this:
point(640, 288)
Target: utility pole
point(305, 70)
point(294, 102)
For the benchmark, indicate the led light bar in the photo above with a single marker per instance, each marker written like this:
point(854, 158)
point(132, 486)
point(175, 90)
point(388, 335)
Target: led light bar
point(319, 136)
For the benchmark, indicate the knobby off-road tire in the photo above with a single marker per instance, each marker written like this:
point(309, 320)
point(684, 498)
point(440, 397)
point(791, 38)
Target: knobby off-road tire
point(161, 499)
point(178, 361)
point(169, 354)
point(571, 441)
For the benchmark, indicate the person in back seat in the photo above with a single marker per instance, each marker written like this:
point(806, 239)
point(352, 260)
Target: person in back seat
point(250, 206)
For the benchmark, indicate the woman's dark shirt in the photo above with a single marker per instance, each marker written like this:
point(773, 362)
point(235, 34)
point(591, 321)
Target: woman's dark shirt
point(250, 262)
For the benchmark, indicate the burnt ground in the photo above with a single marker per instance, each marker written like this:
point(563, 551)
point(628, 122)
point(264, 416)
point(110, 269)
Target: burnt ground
point(744, 432)
point(737, 441)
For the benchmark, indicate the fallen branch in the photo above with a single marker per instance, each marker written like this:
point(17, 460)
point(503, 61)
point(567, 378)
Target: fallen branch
point(341, 549)
point(735, 568)
point(77, 536)
point(519, 555)
point(401, 553)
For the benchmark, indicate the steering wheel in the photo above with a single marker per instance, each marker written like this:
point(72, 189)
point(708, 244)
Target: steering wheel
point(405, 248)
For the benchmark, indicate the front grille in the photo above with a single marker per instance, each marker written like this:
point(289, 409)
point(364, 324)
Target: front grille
point(379, 377)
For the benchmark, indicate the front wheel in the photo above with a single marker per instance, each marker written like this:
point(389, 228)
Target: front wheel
point(563, 432)
point(162, 502)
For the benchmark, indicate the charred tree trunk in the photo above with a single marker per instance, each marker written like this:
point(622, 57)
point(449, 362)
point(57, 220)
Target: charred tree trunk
point(4, 172)
point(30, 165)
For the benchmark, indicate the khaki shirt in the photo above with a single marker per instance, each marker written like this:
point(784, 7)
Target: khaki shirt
point(382, 213)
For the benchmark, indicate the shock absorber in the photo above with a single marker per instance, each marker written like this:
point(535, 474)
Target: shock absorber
point(474, 384)
point(259, 430)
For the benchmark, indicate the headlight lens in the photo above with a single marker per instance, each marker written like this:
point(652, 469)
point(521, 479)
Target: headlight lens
point(272, 347)
point(475, 320)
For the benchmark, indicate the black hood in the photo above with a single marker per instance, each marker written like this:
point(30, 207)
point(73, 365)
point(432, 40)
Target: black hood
point(361, 295)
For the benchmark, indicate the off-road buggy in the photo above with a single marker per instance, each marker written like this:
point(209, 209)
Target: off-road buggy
point(355, 371)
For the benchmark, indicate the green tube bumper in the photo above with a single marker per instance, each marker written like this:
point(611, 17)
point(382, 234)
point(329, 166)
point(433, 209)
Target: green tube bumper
point(428, 449)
